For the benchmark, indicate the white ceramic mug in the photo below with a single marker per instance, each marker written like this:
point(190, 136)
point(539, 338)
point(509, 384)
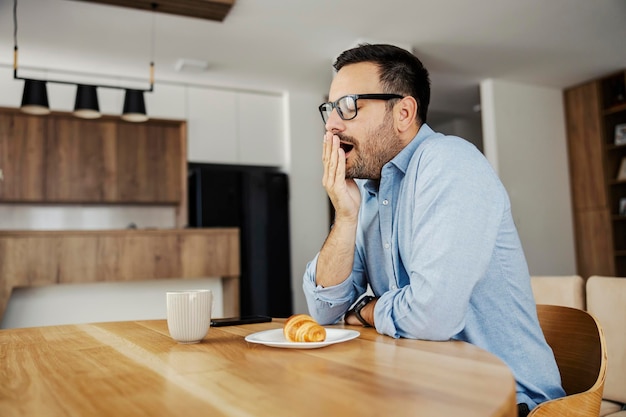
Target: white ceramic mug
point(189, 314)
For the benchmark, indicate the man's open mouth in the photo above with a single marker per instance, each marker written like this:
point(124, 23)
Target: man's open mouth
point(347, 147)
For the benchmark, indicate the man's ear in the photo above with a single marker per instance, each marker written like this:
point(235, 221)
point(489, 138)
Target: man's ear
point(405, 112)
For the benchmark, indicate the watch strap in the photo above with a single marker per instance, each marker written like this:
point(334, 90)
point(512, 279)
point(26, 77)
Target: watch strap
point(357, 313)
point(359, 306)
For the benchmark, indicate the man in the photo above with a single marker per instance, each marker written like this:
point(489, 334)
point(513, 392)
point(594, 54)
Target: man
point(424, 222)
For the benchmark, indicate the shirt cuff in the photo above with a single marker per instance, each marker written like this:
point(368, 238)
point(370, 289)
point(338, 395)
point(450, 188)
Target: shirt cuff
point(333, 294)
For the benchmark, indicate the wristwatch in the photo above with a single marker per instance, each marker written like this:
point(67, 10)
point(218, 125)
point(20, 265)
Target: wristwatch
point(359, 306)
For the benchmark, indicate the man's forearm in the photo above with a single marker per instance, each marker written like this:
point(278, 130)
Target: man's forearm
point(336, 258)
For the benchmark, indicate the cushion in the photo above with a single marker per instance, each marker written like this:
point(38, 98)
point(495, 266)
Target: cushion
point(606, 300)
point(565, 290)
point(609, 408)
point(618, 414)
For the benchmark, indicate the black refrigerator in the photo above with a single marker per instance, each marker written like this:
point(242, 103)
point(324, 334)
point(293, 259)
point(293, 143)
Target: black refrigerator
point(256, 200)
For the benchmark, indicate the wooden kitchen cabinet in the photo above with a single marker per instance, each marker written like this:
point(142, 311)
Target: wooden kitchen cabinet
point(62, 159)
point(22, 161)
point(80, 160)
point(149, 162)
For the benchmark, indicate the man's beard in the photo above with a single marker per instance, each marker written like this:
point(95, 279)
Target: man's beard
point(369, 156)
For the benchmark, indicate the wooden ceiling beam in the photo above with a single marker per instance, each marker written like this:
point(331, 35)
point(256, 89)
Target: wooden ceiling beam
point(202, 9)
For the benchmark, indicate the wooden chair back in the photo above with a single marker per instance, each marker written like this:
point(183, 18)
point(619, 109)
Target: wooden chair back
point(579, 347)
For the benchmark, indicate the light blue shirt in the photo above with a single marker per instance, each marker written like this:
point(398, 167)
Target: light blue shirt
point(437, 243)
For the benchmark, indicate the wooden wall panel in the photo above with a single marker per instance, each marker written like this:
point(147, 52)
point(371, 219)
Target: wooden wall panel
point(593, 110)
point(585, 147)
point(592, 222)
point(594, 245)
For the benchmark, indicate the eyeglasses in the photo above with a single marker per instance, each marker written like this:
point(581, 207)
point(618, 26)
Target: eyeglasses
point(346, 105)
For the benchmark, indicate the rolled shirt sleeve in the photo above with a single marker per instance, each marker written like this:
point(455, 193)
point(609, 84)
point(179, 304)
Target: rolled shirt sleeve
point(328, 305)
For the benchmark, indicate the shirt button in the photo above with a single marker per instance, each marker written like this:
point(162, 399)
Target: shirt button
point(387, 245)
point(393, 287)
point(385, 202)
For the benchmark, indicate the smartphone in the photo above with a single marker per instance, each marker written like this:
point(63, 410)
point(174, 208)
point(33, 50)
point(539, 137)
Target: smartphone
point(234, 321)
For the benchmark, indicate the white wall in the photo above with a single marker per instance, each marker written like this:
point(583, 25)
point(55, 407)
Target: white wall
point(100, 302)
point(524, 138)
point(84, 217)
point(309, 203)
point(466, 127)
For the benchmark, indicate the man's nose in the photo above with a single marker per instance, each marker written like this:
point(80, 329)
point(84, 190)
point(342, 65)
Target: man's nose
point(334, 123)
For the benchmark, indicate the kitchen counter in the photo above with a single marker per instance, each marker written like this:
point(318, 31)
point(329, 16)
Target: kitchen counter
point(37, 258)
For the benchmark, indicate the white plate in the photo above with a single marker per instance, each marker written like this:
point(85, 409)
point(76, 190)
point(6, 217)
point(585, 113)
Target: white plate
point(276, 338)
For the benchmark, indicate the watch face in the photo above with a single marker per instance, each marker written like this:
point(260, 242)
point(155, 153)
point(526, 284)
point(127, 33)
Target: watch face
point(364, 301)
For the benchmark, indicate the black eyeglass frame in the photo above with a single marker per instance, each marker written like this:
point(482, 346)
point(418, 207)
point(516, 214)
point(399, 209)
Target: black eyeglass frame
point(355, 97)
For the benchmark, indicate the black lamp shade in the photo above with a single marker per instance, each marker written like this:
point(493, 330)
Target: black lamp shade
point(134, 107)
point(86, 105)
point(35, 98)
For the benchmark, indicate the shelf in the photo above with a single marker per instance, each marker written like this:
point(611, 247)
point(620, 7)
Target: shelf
point(615, 109)
point(611, 147)
point(593, 112)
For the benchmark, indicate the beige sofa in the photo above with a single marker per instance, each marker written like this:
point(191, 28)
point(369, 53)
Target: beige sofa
point(568, 291)
point(605, 298)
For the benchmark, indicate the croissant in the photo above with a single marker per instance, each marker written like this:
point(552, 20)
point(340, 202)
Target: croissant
point(303, 328)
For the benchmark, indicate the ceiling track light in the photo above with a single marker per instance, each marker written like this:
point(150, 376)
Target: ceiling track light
point(134, 107)
point(35, 96)
point(86, 105)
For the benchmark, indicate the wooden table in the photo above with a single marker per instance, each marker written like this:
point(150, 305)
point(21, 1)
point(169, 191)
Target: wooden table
point(136, 369)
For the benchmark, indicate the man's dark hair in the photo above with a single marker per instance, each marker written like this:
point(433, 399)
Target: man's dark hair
point(400, 71)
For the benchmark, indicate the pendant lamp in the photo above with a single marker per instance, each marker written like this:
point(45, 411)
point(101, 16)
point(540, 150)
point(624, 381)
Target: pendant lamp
point(86, 105)
point(35, 98)
point(134, 107)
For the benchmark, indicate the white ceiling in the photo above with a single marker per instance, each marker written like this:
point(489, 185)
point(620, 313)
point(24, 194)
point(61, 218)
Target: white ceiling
point(279, 45)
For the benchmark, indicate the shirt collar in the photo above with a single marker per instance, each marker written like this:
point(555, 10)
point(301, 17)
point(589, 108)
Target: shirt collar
point(403, 158)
